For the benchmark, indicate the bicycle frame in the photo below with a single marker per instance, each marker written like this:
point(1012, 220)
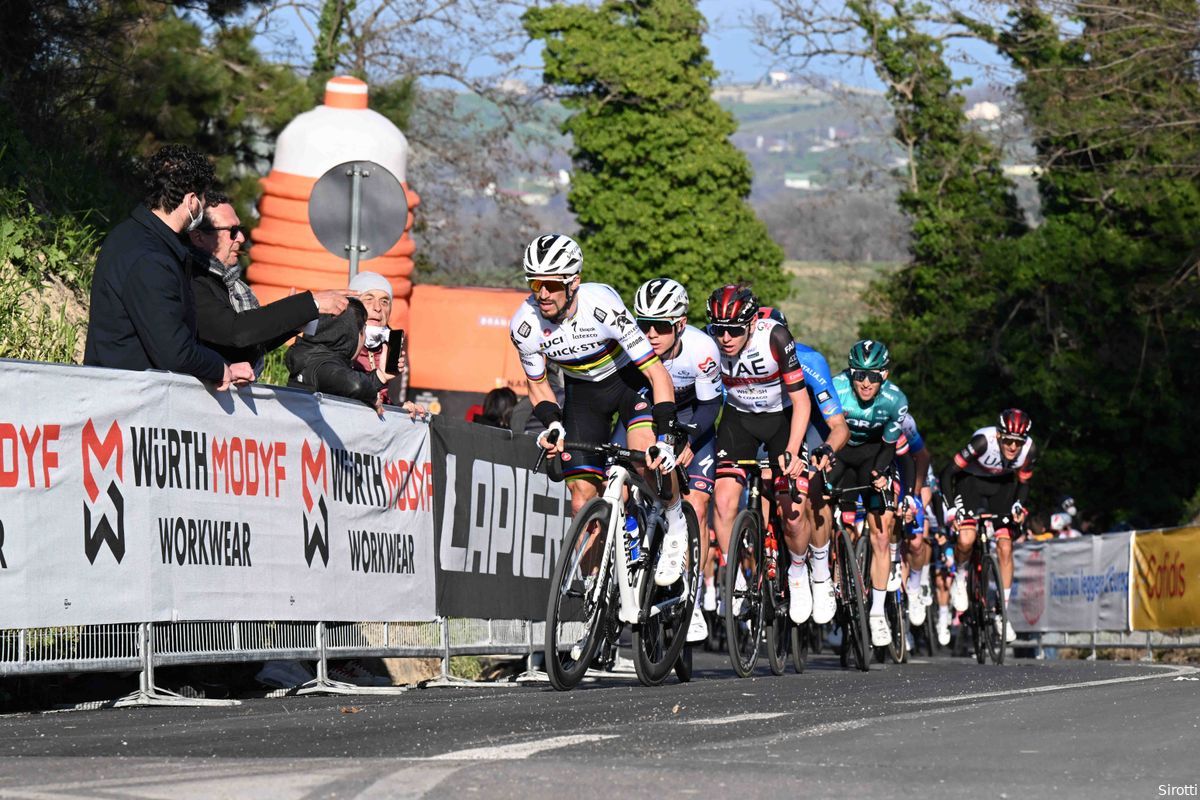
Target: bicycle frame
point(629, 580)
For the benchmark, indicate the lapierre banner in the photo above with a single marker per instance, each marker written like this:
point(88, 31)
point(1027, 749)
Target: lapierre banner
point(1072, 585)
point(1167, 589)
point(145, 496)
point(499, 524)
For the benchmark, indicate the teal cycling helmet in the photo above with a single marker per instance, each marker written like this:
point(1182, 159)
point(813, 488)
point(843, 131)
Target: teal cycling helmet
point(869, 354)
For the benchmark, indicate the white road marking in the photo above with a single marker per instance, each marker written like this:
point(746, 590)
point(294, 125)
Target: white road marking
point(520, 750)
point(736, 718)
point(1169, 672)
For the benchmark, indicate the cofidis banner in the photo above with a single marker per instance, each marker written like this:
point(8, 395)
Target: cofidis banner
point(1072, 585)
point(128, 496)
point(1167, 586)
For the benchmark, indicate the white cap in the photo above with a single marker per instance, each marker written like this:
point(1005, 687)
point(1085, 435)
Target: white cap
point(371, 282)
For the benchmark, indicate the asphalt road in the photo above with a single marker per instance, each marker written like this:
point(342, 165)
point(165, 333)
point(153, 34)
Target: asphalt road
point(942, 728)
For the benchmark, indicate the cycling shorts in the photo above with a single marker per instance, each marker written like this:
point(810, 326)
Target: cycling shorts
point(853, 468)
point(588, 411)
point(741, 433)
point(702, 471)
point(989, 495)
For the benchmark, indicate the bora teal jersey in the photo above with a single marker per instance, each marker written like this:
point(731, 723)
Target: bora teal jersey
point(880, 420)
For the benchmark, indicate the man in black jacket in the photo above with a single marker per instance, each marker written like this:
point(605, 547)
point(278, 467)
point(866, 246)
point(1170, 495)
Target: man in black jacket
point(143, 315)
point(229, 318)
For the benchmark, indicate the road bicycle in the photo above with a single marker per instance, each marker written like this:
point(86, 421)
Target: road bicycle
point(849, 589)
point(759, 606)
point(896, 604)
point(603, 578)
point(985, 594)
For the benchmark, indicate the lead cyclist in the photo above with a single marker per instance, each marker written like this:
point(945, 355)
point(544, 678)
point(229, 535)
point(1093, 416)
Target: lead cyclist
point(607, 366)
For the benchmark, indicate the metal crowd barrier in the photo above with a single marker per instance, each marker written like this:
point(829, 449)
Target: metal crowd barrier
point(141, 647)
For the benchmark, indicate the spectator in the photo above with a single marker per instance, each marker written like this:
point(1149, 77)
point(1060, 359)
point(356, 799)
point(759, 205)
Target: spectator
point(324, 362)
point(498, 405)
point(143, 314)
point(229, 318)
point(375, 292)
point(523, 420)
point(1060, 523)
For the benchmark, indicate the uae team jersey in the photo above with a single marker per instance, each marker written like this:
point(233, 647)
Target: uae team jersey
point(600, 338)
point(696, 371)
point(757, 379)
point(982, 457)
point(880, 420)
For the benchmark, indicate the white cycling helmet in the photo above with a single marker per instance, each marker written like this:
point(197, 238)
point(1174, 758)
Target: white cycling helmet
point(552, 255)
point(661, 298)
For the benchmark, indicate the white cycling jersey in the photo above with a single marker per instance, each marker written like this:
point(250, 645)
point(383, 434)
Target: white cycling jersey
point(696, 371)
point(982, 456)
point(754, 379)
point(600, 338)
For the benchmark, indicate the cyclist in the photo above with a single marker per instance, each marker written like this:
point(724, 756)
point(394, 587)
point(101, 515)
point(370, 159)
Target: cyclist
point(827, 433)
point(766, 403)
point(875, 411)
point(693, 362)
point(608, 365)
point(918, 551)
point(992, 472)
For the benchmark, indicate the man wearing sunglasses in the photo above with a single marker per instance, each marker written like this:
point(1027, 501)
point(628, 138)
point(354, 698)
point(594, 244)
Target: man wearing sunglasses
point(766, 403)
point(608, 368)
point(693, 362)
point(992, 472)
point(229, 318)
point(875, 410)
point(827, 433)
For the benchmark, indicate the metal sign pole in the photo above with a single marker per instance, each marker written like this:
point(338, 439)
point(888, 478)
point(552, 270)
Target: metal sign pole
point(356, 178)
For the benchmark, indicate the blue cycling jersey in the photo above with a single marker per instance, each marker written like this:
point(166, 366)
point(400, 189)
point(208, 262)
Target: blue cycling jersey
point(819, 381)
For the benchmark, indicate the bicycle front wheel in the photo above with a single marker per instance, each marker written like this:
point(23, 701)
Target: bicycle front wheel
point(744, 598)
point(800, 638)
point(897, 615)
point(666, 611)
point(578, 607)
point(778, 623)
point(995, 614)
point(856, 634)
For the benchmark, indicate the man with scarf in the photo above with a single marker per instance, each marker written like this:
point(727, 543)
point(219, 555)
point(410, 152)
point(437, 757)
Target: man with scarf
point(229, 318)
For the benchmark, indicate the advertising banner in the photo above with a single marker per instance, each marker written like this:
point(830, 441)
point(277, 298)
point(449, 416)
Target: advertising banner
point(146, 496)
point(1167, 588)
point(499, 524)
point(1072, 585)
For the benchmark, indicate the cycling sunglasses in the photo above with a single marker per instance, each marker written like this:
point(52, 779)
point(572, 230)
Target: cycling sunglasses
point(551, 285)
point(732, 331)
point(1015, 441)
point(234, 230)
point(660, 326)
point(872, 375)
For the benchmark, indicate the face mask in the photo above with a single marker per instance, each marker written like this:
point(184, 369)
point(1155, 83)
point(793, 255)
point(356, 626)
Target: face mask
point(195, 222)
point(376, 336)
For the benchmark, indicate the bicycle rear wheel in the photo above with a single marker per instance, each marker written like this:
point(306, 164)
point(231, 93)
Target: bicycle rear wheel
point(666, 611)
point(994, 612)
point(744, 607)
point(856, 636)
point(576, 611)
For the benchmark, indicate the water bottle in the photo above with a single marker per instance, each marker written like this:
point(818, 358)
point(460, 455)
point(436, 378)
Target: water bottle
point(633, 545)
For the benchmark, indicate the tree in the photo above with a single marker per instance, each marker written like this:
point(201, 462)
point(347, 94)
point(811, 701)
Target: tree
point(658, 189)
point(1090, 321)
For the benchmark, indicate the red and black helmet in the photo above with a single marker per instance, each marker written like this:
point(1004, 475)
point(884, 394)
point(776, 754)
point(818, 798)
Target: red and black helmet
point(732, 305)
point(1014, 422)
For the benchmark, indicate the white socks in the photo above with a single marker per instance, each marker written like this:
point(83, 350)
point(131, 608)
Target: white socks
point(819, 562)
point(798, 571)
point(878, 598)
point(1007, 596)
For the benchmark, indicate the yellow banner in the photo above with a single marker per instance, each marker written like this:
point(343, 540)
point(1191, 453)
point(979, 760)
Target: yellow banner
point(1166, 584)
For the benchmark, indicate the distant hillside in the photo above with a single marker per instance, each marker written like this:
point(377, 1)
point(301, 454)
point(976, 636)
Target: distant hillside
point(826, 308)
